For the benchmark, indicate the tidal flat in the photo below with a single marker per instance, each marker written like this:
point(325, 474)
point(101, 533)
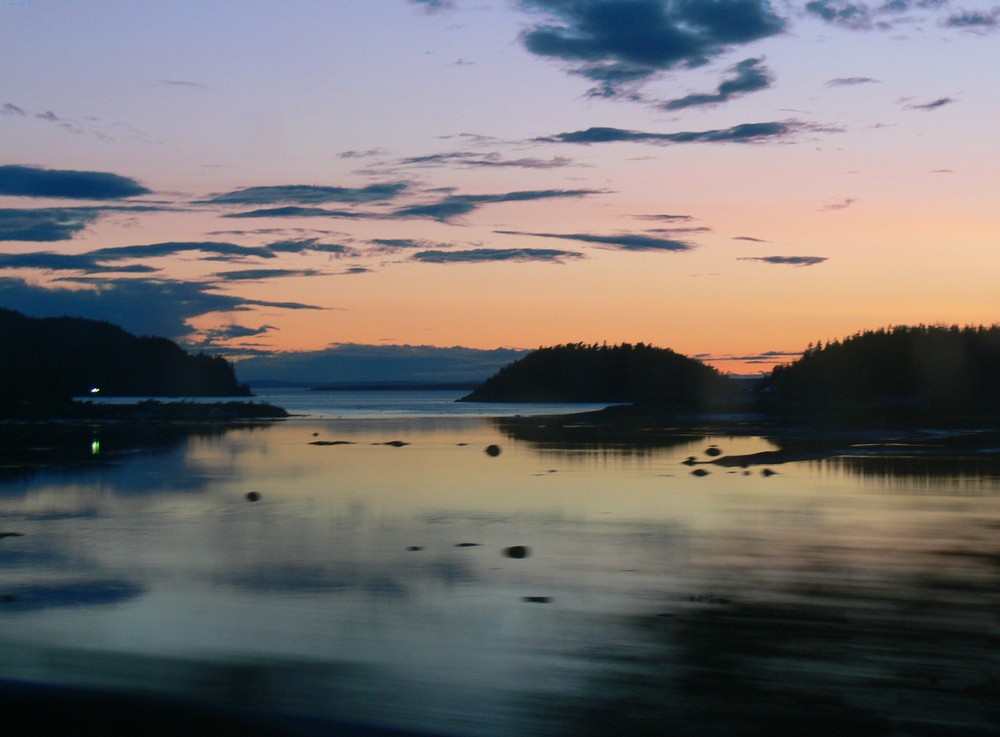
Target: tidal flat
point(390, 573)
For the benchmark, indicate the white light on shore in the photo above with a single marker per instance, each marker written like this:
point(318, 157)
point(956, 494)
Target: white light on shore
point(95, 390)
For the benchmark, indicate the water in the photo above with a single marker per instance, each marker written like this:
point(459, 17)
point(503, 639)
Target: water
point(402, 403)
point(374, 582)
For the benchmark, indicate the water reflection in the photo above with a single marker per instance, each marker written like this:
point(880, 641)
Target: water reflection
point(971, 473)
point(375, 582)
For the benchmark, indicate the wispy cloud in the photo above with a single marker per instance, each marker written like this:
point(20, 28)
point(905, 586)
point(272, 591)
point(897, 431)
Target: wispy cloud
point(620, 44)
point(397, 244)
point(30, 181)
point(294, 211)
point(839, 204)
point(885, 16)
point(104, 259)
point(104, 130)
point(265, 274)
point(181, 83)
point(743, 133)
point(468, 159)
point(787, 260)
point(45, 223)
point(456, 205)
point(158, 250)
point(850, 81)
point(668, 218)
point(49, 261)
point(484, 255)
point(975, 20)
point(308, 245)
point(434, 6)
point(932, 105)
point(750, 76)
point(308, 194)
point(623, 241)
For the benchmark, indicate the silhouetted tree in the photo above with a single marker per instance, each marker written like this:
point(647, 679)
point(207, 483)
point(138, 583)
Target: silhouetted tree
point(929, 369)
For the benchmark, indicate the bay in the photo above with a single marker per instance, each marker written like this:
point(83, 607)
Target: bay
point(393, 573)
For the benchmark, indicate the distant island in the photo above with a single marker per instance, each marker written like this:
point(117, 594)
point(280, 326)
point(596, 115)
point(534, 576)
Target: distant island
point(46, 362)
point(904, 374)
point(638, 374)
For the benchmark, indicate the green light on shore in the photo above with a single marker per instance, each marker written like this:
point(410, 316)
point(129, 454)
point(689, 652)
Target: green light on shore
point(95, 447)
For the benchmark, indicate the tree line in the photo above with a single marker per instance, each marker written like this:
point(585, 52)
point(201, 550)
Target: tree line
point(55, 359)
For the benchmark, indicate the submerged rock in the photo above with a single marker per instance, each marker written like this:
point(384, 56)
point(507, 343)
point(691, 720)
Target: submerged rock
point(492, 450)
point(537, 599)
point(517, 551)
point(699, 472)
point(253, 496)
point(713, 451)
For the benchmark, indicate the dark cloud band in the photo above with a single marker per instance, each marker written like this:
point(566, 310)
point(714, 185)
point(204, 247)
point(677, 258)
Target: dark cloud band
point(29, 181)
point(743, 133)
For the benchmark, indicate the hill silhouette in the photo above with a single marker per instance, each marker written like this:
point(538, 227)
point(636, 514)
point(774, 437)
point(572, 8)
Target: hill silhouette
point(50, 360)
point(639, 374)
point(898, 371)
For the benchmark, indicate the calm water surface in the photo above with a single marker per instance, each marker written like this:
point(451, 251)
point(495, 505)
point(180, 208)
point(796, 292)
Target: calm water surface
point(373, 582)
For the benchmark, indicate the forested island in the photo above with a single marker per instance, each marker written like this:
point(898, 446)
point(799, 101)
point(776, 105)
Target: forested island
point(45, 362)
point(640, 374)
point(897, 374)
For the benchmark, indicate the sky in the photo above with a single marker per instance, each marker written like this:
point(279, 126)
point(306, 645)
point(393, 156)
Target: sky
point(732, 179)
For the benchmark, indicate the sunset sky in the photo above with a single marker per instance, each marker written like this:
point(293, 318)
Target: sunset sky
point(732, 179)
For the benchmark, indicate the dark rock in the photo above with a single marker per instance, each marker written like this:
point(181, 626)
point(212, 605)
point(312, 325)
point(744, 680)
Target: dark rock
point(699, 472)
point(253, 496)
point(395, 443)
point(767, 472)
point(8, 598)
point(414, 548)
point(517, 551)
point(466, 545)
point(537, 599)
point(331, 442)
point(713, 451)
point(492, 450)
point(11, 534)
point(689, 461)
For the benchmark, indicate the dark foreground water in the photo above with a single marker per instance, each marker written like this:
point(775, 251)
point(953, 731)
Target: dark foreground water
point(575, 590)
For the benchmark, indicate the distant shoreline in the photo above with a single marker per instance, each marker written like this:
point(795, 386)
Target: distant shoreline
point(149, 410)
point(393, 387)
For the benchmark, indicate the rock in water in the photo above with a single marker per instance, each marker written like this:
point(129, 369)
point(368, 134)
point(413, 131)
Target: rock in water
point(517, 551)
point(253, 496)
point(492, 450)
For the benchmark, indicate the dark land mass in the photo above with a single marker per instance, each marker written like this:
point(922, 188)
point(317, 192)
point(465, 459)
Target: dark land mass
point(877, 386)
point(600, 373)
point(47, 361)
